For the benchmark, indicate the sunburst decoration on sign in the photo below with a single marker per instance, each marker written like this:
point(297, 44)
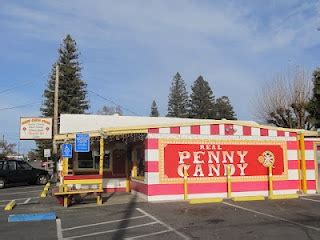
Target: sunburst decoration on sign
point(267, 159)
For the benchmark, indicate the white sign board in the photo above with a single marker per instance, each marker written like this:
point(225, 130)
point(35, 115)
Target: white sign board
point(47, 153)
point(35, 128)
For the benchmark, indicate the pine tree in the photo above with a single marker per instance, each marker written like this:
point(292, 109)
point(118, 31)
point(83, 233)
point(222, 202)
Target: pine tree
point(314, 105)
point(72, 89)
point(154, 110)
point(178, 98)
point(201, 100)
point(224, 109)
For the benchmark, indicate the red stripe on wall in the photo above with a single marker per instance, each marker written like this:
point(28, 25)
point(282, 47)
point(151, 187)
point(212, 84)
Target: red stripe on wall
point(264, 132)
point(175, 130)
point(139, 187)
point(195, 129)
point(280, 133)
point(152, 166)
point(308, 145)
point(214, 129)
point(171, 189)
point(312, 184)
point(79, 177)
point(246, 131)
point(293, 164)
point(111, 190)
point(153, 130)
point(151, 143)
point(228, 129)
point(292, 145)
point(292, 134)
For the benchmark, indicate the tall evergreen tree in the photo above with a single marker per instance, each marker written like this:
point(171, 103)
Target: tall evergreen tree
point(314, 105)
point(224, 109)
point(201, 99)
point(178, 98)
point(154, 110)
point(72, 89)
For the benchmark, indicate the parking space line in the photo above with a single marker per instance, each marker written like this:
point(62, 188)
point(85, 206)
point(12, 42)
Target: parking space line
point(59, 229)
point(19, 192)
point(149, 234)
point(113, 230)
point(163, 224)
point(309, 199)
point(27, 200)
point(272, 216)
point(102, 223)
point(8, 200)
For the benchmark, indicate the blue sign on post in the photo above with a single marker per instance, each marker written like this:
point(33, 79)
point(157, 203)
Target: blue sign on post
point(82, 142)
point(66, 150)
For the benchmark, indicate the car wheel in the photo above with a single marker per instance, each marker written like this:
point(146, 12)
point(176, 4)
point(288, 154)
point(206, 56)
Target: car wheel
point(2, 183)
point(42, 179)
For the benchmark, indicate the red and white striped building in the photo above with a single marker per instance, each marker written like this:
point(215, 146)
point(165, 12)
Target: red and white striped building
point(151, 155)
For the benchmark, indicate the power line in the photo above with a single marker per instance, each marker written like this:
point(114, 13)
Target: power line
point(17, 86)
point(21, 106)
point(124, 108)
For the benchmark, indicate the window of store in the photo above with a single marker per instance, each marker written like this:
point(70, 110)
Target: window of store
point(89, 161)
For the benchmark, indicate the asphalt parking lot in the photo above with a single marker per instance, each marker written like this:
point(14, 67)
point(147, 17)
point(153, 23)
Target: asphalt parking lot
point(123, 216)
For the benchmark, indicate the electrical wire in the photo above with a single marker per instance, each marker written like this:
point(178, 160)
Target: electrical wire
point(21, 106)
point(124, 108)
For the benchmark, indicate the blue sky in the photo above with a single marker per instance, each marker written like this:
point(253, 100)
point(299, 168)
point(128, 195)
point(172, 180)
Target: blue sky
point(130, 50)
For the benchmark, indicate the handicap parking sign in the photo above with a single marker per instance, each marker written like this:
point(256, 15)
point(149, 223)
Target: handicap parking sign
point(67, 150)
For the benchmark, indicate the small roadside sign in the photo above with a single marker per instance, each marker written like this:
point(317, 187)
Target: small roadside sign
point(47, 153)
point(66, 150)
point(82, 143)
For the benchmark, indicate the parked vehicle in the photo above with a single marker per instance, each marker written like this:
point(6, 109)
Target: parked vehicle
point(18, 171)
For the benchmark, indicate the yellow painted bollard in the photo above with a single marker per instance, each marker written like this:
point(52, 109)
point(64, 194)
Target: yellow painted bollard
point(303, 163)
point(270, 181)
point(229, 180)
point(10, 205)
point(185, 184)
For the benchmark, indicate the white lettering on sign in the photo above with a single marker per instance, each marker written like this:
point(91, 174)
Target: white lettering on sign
point(216, 159)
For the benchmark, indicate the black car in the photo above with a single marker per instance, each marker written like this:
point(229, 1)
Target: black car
point(18, 171)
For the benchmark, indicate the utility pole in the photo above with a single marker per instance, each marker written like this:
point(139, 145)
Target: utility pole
point(55, 115)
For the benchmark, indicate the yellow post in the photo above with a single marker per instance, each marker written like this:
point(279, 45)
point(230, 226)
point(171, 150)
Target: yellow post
point(229, 180)
point(65, 167)
point(134, 171)
point(303, 163)
point(270, 181)
point(299, 163)
point(185, 184)
point(99, 197)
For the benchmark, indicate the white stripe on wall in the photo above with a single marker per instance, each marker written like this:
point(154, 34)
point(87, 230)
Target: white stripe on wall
point(164, 130)
point(221, 130)
point(205, 130)
point(151, 155)
point(114, 182)
point(293, 174)
point(311, 175)
point(238, 130)
point(185, 130)
point(152, 178)
point(272, 133)
point(309, 154)
point(292, 155)
point(255, 131)
point(287, 134)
